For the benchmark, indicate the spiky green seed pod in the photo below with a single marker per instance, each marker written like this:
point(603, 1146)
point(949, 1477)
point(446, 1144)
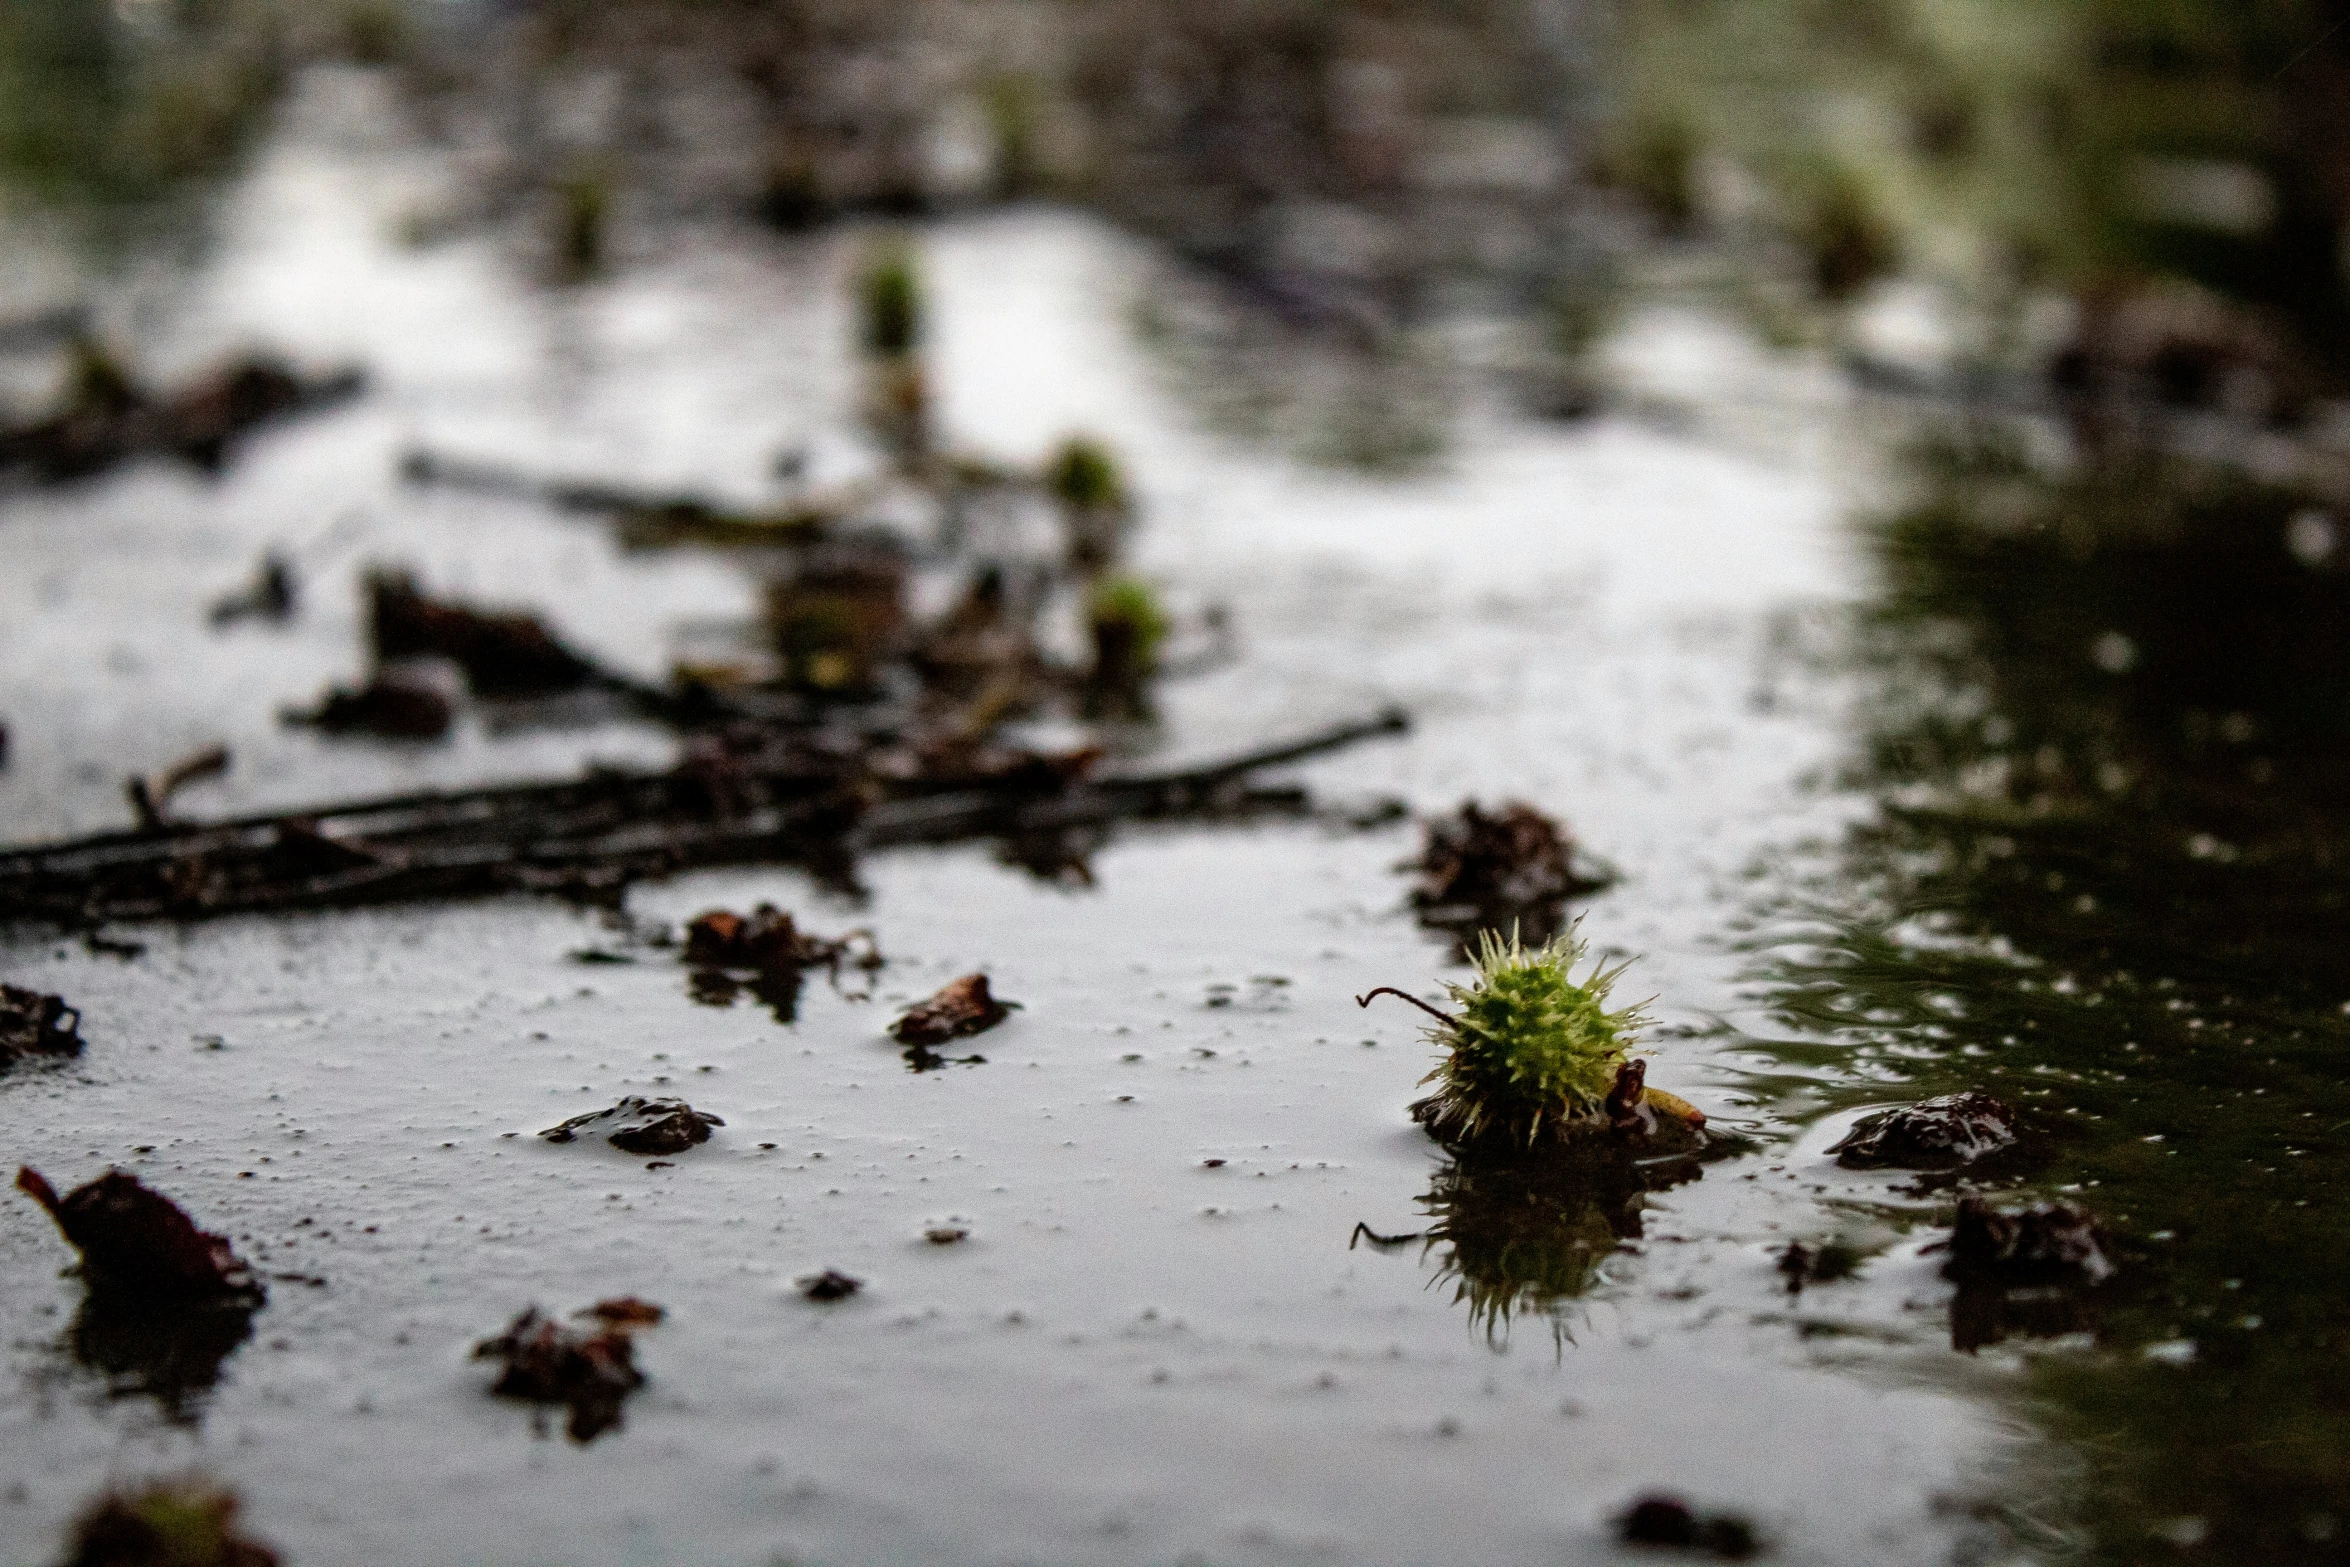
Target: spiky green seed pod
point(1530, 1050)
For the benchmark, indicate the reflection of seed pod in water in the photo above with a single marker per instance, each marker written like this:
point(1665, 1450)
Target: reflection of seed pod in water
point(1531, 1235)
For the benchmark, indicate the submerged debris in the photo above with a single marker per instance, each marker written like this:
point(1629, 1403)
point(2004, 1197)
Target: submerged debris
point(150, 797)
point(171, 1523)
point(1513, 869)
point(138, 1241)
point(626, 1311)
point(394, 705)
point(270, 595)
point(1534, 1056)
point(829, 1286)
point(1934, 1134)
point(33, 1023)
point(641, 1126)
point(106, 418)
point(503, 653)
point(964, 1007)
point(1669, 1521)
point(767, 939)
point(2051, 1243)
point(587, 1370)
point(1822, 1264)
point(2036, 1273)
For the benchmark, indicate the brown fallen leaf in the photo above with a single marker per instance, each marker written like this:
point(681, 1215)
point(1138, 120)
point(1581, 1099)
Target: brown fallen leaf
point(139, 1242)
point(964, 1007)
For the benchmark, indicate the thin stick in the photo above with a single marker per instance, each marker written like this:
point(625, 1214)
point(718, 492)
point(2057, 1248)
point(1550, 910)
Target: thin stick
point(1446, 1018)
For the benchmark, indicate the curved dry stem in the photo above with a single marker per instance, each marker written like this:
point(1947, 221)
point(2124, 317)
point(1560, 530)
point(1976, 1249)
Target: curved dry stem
point(1446, 1018)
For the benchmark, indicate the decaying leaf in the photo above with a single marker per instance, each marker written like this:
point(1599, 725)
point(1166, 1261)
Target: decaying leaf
point(138, 1242)
point(1509, 869)
point(588, 1371)
point(962, 1008)
point(1934, 1134)
point(767, 940)
point(35, 1024)
point(641, 1126)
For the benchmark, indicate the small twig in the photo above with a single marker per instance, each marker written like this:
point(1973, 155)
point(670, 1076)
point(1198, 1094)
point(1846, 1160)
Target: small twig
point(1446, 1018)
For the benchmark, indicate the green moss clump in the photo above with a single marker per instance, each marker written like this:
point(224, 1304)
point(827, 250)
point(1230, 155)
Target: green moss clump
point(889, 298)
point(1084, 474)
point(1531, 1049)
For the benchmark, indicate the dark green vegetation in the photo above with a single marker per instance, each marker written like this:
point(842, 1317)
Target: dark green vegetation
point(2111, 883)
point(106, 108)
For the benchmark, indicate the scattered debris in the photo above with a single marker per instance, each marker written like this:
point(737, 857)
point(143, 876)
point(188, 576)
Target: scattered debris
point(1513, 870)
point(1534, 1057)
point(625, 1311)
point(641, 1126)
point(105, 418)
point(1669, 1521)
point(503, 653)
point(397, 704)
point(171, 1523)
point(755, 798)
point(1934, 1134)
point(2051, 1243)
point(139, 1242)
point(767, 939)
point(270, 595)
point(36, 1024)
point(1822, 1264)
point(828, 1286)
point(964, 1007)
point(150, 797)
point(588, 1371)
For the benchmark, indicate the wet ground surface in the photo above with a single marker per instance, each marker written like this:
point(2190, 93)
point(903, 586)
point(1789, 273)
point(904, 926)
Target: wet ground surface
point(1159, 1341)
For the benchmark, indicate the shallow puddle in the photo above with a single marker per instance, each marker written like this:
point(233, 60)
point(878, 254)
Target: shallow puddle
point(1163, 1338)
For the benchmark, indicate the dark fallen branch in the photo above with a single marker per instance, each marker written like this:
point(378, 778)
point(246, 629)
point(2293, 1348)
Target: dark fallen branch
point(647, 518)
point(590, 838)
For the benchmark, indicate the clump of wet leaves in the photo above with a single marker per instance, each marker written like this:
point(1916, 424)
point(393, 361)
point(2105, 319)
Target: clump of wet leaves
point(589, 1370)
point(171, 1523)
point(34, 1024)
point(2036, 1272)
point(961, 1008)
point(1671, 1523)
point(640, 1126)
point(1534, 1055)
point(1943, 1133)
point(1512, 868)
